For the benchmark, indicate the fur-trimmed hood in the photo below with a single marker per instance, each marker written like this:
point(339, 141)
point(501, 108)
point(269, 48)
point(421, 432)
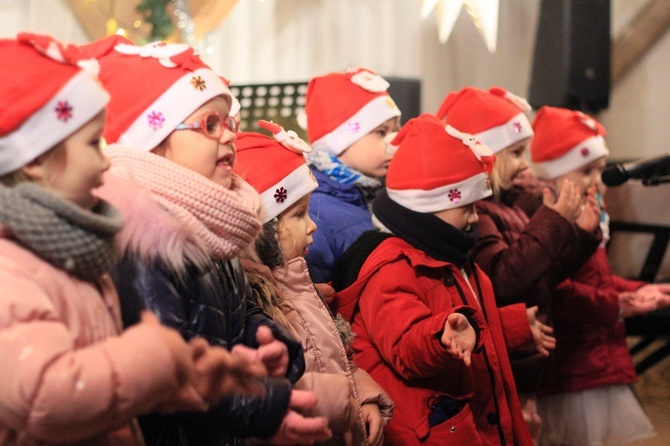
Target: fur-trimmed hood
point(151, 232)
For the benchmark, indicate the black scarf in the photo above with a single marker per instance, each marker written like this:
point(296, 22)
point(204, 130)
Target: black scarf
point(426, 232)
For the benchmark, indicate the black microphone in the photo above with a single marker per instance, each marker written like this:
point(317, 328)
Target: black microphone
point(616, 174)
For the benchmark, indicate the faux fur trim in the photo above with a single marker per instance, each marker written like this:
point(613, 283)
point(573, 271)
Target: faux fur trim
point(150, 232)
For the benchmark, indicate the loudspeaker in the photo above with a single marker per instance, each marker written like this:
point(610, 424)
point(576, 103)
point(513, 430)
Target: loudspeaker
point(571, 63)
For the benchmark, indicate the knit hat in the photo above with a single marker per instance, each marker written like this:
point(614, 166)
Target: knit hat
point(153, 87)
point(45, 96)
point(341, 108)
point(496, 117)
point(275, 167)
point(437, 167)
point(565, 140)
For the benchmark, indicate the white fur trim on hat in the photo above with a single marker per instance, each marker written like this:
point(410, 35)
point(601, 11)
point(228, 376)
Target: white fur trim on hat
point(580, 155)
point(280, 196)
point(511, 132)
point(450, 196)
point(369, 117)
point(76, 103)
point(158, 120)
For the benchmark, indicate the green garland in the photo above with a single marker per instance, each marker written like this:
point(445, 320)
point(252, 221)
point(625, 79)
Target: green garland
point(155, 13)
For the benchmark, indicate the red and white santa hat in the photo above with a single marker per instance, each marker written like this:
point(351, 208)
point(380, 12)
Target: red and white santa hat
point(341, 108)
point(437, 167)
point(47, 93)
point(275, 167)
point(495, 117)
point(153, 87)
point(565, 140)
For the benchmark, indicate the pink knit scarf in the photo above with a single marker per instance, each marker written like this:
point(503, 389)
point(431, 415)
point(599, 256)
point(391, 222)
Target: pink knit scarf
point(226, 220)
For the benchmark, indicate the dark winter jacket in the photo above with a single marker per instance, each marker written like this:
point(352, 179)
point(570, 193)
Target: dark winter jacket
point(341, 215)
point(526, 259)
point(210, 299)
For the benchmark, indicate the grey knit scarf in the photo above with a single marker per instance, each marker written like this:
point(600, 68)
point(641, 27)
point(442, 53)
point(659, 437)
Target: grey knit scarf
point(69, 237)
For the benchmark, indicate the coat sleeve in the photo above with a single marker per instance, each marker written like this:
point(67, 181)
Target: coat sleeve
point(515, 269)
point(412, 348)
point(515, 326)
point(335, 400)
point(58, 391)
point(369, 391)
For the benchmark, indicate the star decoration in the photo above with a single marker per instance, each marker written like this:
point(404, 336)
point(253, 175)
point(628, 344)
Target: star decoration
point(483, 13)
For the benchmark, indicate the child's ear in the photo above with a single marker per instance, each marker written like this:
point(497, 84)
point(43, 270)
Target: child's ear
point(35, 169)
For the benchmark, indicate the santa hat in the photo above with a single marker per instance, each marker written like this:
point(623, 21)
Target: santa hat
point(341, 108)
point(565, 140)
point(437, 167)
point(45, 96)
point(153, 87)
point(275, 167)
point(496, 117)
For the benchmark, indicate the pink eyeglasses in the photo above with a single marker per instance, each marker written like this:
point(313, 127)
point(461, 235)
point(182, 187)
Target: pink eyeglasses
point(211, 125)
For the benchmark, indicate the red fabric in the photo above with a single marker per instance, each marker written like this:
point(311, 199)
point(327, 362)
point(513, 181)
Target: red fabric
point(398, 308)
point(515, 326)
point(591, 349)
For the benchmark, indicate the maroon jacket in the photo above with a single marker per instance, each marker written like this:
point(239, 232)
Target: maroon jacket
point(526, 259)
point(591, 349)
point(398, 307)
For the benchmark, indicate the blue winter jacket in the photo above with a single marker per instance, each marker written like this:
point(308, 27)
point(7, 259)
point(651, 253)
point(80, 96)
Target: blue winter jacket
point(341, 215)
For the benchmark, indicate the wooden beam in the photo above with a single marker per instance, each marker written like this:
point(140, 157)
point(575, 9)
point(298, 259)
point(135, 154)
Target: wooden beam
point(637, 38)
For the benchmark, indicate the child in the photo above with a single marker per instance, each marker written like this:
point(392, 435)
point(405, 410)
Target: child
point(587, 399)
point(187, 218)
point(348, 119)
point(525, 258)
point(348, 397)
point(419, 298)
point(69, 375)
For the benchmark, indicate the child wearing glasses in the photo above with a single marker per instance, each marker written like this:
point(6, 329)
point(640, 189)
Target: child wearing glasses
point(69, 375)
point(188, 217)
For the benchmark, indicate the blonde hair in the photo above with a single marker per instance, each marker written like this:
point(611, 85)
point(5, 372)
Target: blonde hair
point(496, 174)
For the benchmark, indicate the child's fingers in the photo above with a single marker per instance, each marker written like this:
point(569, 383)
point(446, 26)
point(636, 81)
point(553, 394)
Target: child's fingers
point(264, 335)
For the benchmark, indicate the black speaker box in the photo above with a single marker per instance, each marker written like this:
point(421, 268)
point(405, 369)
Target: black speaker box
point(571, 63)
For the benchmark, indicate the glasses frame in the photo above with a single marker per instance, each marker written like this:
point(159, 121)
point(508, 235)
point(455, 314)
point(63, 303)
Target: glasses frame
point(227, 123)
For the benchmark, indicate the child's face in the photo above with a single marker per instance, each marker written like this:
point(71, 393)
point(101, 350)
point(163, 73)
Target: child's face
point(193, 150)
point(295, 229)
point(78, 167)
point(586, 176)
point(461, 217)
point(368, 155)
point(511, 163)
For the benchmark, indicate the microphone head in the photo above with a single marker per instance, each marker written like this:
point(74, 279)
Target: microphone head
point(614, 175)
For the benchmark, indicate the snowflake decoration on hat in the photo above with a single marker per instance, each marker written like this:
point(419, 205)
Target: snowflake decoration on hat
point(585, 152)
point(63, 111)
point(198, 83)
point(155, 120)
point(516, 125)
point(280, 195)
point(454, 195)
point(353, 127)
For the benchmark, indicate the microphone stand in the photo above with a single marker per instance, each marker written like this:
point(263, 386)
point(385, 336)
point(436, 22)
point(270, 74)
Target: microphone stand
point(655, 180)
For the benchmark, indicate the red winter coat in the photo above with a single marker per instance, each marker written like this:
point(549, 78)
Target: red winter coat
point(591, 348)
point(398, 308)
point(526, 259)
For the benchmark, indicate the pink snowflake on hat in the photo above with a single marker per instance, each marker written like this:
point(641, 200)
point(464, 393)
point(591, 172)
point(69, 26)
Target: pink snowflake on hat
point(280, 195)
point(454, 195)
point(516, 125)
point(585, 151)
point(63, 110)
point(353, 127)
point(155, 120)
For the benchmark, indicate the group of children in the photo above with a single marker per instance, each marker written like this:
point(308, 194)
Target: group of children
point(195, 285)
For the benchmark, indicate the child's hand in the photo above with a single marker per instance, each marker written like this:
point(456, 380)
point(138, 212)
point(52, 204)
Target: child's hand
point(219, 372)
point(589, 218)
point(326, 291)
point(648, 298)
point(529, 182)
point(296, 429)
point(459, 337)
point(374, 422)
point(272, 353)
point(569, 201)
point(544, 341)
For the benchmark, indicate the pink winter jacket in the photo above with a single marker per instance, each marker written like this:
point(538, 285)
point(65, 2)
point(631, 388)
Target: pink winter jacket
point(68, 377)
